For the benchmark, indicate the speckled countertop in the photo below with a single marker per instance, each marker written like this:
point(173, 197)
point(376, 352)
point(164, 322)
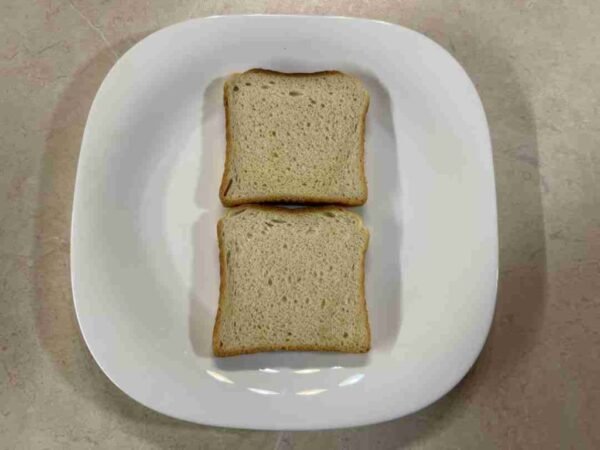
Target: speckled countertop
point(537, 383)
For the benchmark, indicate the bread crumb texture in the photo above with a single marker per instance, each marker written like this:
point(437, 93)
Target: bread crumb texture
point(295, 137)
point(291, 280)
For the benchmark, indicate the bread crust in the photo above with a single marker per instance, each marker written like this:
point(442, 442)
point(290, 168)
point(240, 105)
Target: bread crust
point(218, 351)
point(226, 179)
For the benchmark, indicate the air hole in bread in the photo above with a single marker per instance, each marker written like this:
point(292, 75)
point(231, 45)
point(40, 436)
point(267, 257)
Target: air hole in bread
point(295, 93)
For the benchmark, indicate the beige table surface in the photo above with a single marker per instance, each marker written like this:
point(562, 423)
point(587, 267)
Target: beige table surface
point(536, 65)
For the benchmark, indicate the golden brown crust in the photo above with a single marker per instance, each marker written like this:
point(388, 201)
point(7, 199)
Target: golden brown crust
point(342, 201)
point(363, 297)
point(363, 175)
point(345, 201)
point(223, 284)
point(295, 74)
point(227, 168)
point(289, 348)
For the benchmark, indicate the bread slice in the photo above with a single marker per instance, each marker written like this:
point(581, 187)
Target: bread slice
point(294, 138)
point(291, 279)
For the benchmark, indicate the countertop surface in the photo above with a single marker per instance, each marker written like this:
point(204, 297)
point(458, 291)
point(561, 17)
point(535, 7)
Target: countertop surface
point(536, 384)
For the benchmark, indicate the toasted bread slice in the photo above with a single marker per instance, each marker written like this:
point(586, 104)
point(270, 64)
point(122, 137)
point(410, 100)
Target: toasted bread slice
point(294, 138)
point(291, 279)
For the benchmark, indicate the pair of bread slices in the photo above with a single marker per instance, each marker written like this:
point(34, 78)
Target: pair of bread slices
point(293, 279)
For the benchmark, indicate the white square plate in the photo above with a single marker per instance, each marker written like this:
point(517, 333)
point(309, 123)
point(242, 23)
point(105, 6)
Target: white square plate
point(144, 248)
